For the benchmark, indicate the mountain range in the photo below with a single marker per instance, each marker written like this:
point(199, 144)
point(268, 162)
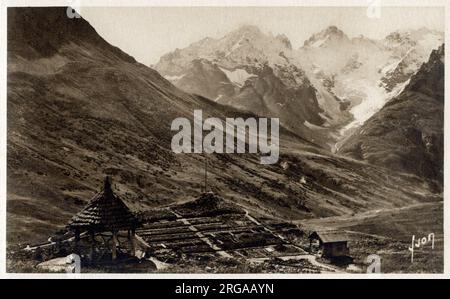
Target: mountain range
point(321, 91)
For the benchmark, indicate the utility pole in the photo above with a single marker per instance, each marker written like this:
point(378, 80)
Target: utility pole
point(206, 173)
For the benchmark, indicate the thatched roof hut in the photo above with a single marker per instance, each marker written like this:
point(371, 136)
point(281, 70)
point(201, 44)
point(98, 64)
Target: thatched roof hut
point(105, 212)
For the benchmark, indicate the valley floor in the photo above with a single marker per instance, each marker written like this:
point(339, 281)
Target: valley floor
point(388, 233)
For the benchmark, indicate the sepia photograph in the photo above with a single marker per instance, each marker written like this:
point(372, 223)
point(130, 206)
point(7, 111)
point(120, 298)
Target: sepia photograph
point(225, 139)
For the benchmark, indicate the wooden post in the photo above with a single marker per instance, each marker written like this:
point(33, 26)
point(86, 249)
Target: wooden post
point(132, 242)
point(114, 245)
point(206, 173)
point(77, 235)
point(77, 239)
point(91, 251)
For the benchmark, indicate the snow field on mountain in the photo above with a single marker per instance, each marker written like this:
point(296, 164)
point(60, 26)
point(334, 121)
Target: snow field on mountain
point(237, 76)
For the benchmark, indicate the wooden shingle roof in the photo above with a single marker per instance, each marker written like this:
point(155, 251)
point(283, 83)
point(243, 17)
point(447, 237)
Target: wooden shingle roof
point(104, 212)
point(330, 236)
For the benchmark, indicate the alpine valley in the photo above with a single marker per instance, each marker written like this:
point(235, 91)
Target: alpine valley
point(361, 145)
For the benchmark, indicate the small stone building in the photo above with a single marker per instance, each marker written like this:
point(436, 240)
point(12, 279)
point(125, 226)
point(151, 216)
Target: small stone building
point(331, 243)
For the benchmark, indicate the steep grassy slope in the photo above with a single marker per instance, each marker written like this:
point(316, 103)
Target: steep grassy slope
point(79, 108)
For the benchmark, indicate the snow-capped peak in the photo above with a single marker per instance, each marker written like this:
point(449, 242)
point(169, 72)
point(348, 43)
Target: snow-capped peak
point(330, 34)
point(284, 40)
point(413, 36)
point(252, 35)
point(248, 32)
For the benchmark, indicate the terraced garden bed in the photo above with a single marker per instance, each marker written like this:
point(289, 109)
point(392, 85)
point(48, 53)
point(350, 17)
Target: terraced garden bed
point(168, 237)
point(165, 231)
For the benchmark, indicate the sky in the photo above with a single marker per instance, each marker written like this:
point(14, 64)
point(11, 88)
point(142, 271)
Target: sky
point(147, 33)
